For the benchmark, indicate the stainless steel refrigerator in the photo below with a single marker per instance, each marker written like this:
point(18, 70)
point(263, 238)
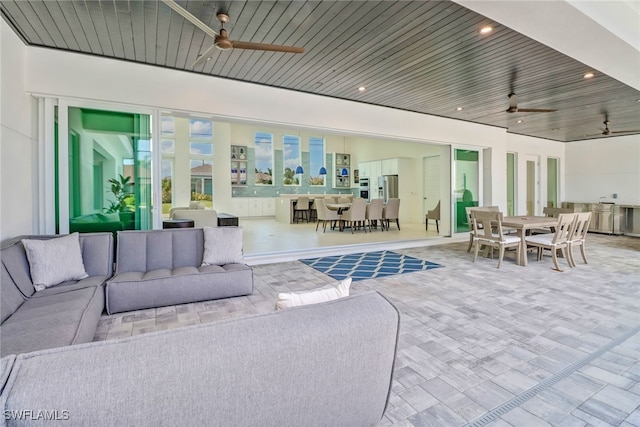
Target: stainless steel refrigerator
point(388, 187)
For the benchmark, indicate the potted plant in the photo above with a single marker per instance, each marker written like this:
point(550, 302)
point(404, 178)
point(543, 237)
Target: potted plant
point(122, 203)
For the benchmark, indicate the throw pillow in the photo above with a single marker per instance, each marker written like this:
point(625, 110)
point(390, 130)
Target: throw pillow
point(326, 293)
point(54, 261)
point(222, 245)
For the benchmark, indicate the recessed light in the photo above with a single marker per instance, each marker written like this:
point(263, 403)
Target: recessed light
point(588, 75)
point(362, 88)
point(486, 29)
point(459, 109)
point(519, 121)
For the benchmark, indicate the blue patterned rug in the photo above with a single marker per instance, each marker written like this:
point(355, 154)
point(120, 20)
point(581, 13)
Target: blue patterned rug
point(368, 265)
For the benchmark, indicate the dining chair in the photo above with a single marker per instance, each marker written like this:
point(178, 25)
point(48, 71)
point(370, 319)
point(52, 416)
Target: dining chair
point(550, 212)
point(468, 210)
point(330, 199)
point(583, 219)
point(487, 231)
point(325, 214)
point(374, 213)
point(301, 207)
point(433, 214)
point(391, 211)
point(557, 241)
point(356, 214)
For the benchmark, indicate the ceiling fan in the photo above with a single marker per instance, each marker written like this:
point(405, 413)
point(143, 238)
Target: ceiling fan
point(513, 106)
point(607, 132)
point(221, 41)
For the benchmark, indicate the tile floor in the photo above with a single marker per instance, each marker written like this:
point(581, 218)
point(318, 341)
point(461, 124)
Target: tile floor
point(518, 346)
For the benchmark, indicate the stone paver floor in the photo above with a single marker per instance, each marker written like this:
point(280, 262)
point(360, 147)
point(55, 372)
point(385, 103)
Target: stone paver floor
point(515, 346)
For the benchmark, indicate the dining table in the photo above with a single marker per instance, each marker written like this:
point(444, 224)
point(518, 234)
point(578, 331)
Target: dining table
point(524, 223)
point(340, 207)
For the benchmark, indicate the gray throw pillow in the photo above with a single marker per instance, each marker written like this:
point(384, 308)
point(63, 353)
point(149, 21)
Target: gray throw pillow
point(54, 261)
point(222, 245)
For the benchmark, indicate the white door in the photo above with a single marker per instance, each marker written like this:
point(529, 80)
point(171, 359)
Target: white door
point(533, 185)
point(431, 182)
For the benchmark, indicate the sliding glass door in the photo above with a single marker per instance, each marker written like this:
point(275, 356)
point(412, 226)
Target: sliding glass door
point(466, 185)
point(107, 158)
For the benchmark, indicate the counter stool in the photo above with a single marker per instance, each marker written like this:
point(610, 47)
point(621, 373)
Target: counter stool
point(301, 209)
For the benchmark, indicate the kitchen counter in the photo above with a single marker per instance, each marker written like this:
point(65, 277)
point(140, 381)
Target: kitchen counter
point(609, 217)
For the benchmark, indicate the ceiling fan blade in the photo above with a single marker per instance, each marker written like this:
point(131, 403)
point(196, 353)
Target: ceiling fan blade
point(535, 110)
point(191, 18)
point(205, 56)
point(626, 131)
point(268, 47)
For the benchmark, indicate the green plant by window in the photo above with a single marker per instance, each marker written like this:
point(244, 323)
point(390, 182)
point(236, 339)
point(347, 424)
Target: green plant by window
point(118, 189)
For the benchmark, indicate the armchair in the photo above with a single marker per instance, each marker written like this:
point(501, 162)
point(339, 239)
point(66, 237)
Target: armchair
point(433, 214)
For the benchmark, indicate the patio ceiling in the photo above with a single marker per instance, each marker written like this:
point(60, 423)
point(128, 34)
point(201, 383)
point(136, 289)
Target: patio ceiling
point(420, 56)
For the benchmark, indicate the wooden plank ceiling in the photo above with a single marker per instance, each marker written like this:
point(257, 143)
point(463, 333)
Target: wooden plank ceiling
point(421, 56)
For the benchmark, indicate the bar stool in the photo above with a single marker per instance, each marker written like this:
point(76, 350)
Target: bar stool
point(301, 209)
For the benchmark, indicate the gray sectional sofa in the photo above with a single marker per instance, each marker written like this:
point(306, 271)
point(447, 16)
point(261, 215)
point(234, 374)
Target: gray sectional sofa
point(59, 316)
point(323, 364)
point(163, 267)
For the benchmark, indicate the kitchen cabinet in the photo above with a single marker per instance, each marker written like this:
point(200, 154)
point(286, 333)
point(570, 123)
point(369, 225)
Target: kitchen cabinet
point(240, 206)
point(253, 206)
point(389, 166)
point(365, 169)
point(605, 217)
point(268, 206)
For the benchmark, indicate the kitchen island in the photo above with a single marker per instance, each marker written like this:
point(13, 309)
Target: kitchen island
point(284, 204)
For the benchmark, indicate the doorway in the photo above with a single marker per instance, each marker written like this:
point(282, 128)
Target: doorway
point(533, 185)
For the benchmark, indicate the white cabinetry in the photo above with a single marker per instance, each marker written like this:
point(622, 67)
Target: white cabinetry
point(253, 206)
point(365, 169)
point(389, 166)
point(240, 206)
point(268, 206)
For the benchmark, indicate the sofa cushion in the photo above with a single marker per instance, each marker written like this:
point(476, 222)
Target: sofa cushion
point(222, 245)
point(54, 261)
point(55, 321)
point(136, 290)
point(14, 261)
point(159, 249)
point(10, 296)
point(326, 293)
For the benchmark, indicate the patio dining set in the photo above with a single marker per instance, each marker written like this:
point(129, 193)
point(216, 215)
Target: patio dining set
point(558, 232)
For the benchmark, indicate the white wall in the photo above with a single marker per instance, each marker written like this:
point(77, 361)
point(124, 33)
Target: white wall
point(17, 147)
point(67, 75)
point(602, 167)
